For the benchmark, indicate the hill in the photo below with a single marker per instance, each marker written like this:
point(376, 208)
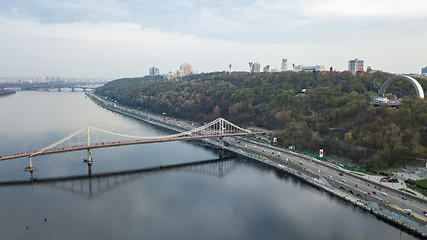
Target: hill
point(309, 110)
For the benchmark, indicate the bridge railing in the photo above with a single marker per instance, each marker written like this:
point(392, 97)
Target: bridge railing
point(92, 136)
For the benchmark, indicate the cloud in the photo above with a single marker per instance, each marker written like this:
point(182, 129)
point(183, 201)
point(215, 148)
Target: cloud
point(251, 21)
point(124, 38)
point(344, 9)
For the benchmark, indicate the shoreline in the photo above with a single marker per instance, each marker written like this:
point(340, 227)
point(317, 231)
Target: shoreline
point(4, 93)
point(305, 175)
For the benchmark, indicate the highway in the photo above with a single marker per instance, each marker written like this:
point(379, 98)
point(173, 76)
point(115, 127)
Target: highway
point(330, 171)
point(354, 181)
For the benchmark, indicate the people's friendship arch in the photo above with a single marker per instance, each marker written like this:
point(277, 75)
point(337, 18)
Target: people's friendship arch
point(415, 83)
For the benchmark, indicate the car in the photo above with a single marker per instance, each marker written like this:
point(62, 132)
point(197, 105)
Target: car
point(408, 210)
point(404, 198)
point(300, 162)
point(383, 193)
point(357, 185)
point(374, 192)
point(340, 174)
point(343, 180)
point(329, 176)
point(369, 193)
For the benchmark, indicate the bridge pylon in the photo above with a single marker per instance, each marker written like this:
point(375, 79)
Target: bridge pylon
point(89, 158)
point(30, 168)
point(221, 143)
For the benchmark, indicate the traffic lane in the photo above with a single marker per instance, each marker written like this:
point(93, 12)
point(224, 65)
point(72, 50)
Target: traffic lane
point(318, 167)
point(364, 186)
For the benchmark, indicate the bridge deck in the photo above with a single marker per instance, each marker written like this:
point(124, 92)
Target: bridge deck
point(118, 143)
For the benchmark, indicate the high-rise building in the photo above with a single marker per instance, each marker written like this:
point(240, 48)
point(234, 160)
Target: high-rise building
point(267, 68)
point(154, 71)
point(186, 69)
point(284, 65)
point(355, 65)
point(255, 67)
point(424, 72)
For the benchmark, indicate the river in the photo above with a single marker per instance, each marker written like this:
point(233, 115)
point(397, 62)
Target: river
point(232, 199)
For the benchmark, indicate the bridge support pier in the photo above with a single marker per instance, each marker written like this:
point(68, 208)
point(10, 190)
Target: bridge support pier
point(30, 168)
point(89, 158)
point(221, 147)
point(89, 162)
point(221, 154)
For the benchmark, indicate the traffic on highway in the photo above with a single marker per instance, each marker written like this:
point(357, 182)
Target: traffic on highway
point(347, 178)
point(354, 185)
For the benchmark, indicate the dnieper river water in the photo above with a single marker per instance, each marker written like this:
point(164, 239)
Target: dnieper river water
point(232, 199)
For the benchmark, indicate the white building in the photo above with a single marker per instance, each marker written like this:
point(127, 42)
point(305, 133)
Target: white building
point(355, 65)
point(284, 65)
point(186, 69)
point(255, 67)
point(318, 68)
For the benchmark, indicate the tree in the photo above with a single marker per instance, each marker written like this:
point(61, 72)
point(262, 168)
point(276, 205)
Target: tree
point(348, 137)
point(216, 112)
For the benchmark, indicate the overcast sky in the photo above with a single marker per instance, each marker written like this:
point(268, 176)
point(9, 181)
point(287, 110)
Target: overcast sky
point(124, 38)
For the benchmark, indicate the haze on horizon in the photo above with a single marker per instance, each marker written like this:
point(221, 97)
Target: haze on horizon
point(125, 38)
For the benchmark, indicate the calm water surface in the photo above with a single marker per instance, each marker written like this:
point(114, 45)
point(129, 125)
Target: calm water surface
point(234, 199)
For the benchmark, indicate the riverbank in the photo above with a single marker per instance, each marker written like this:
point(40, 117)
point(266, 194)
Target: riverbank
point(394, 215)
point(4, 92)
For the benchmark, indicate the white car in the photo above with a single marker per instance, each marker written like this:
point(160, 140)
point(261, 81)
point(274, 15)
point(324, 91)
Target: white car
point(383, 193)
point(344, 180)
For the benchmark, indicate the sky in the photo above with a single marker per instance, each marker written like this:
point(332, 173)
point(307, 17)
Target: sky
point(124, 38)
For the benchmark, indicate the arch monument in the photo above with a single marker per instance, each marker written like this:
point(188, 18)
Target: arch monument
point(413, 81)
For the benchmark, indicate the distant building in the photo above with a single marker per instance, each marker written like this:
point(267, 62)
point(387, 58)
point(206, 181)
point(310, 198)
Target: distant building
point(284, 65)
point(154, 71)
point(369, 69)
point(179, 73)
point(169, 76)
point(255, 67)
point(355, 65)
point(267, 68)
point(186, 69)
point(300, 68)
point(424, 72)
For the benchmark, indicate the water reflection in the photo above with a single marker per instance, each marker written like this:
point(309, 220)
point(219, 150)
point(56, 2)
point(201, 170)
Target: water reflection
point(92, 185)
point(245, 201)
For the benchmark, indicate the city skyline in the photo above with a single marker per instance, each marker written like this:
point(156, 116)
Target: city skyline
point(124, 39)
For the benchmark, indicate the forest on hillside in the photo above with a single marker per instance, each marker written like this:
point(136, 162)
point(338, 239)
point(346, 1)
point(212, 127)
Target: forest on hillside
point(309, 110)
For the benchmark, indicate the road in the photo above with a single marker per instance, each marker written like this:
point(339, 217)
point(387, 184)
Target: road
point(329, 171)
point(358, 181)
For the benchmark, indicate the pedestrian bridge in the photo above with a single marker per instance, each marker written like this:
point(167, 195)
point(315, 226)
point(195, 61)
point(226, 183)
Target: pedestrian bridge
point(91, 137)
